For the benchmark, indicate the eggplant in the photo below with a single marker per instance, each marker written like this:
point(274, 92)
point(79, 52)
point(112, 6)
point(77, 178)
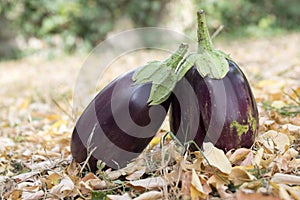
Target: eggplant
point(120, 122)
point(225, 111)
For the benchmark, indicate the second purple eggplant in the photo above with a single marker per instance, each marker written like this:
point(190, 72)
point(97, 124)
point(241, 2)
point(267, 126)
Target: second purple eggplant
point(227, 113)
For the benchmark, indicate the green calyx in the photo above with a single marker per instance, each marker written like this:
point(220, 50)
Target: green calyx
point(165, 74)
point(161, 74)
point(209, 62)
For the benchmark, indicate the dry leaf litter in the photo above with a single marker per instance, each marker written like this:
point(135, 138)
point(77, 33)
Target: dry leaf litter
point(36, 122)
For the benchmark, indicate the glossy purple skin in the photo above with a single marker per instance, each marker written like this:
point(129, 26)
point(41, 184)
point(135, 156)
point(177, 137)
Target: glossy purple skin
point(230, 99)
point(100, 112)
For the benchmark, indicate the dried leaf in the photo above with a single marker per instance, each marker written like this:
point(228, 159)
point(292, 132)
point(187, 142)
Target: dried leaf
point(248, 160)
point(286, 178)
point(258, 157)
point(283, 194)
point(150, 195)
point(292, 128)
point(15, 194)
point(215, 181)
point(137, 174)
point(51, 180)
point(280, 140)
point(92, 182)
point(129, 169)
point(225, 193)
point(196, 187)
point(239, 175)
point(294, 191)
point(196, 164)
point(89, 176)
point(242, 195)
point(33, 194)
point(96, 184)
point(216, 158)
point(64, 188)
point(149, 183)
point(24, 176)
point(253, 185)
point(195, 194)
point(196, 181)
point(73, 169)
point(239, 155)
point(40, 166)
point(125, 196)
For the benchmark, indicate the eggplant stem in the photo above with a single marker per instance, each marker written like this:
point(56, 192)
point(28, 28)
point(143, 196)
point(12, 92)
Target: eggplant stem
point(204, 40)
point(173, 60)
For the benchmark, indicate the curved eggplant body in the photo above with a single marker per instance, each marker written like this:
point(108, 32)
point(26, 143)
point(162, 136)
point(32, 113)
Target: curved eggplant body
point(118, 124)
point(227, 111)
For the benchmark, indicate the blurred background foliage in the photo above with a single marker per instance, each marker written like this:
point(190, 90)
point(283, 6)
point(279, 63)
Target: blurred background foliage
point(27, 26)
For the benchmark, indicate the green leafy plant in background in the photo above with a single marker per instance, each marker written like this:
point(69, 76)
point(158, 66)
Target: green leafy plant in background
point(252, 17)
point(81, 24)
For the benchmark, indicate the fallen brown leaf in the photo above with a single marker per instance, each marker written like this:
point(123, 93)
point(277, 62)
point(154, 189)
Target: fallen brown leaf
point(286, 178)
point(149, 183)
point(64, 188)
point(137, 174)
point(239, 175)
point(124, 196)
point(239, 155)
point(216, 158)
point(151, 195)
point(242, 195)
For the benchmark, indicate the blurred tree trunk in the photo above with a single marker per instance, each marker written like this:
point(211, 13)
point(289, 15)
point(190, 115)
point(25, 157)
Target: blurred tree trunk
point(8, 45)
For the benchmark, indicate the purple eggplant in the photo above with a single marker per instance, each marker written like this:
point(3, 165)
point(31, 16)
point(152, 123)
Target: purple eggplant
point(120, 122)
point(225, 112)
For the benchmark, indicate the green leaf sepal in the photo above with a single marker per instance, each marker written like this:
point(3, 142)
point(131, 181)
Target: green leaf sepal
point(162, 75)
point(213, 64)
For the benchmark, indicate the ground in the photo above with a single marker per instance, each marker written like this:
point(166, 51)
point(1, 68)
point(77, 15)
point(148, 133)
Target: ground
point(36, 122)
